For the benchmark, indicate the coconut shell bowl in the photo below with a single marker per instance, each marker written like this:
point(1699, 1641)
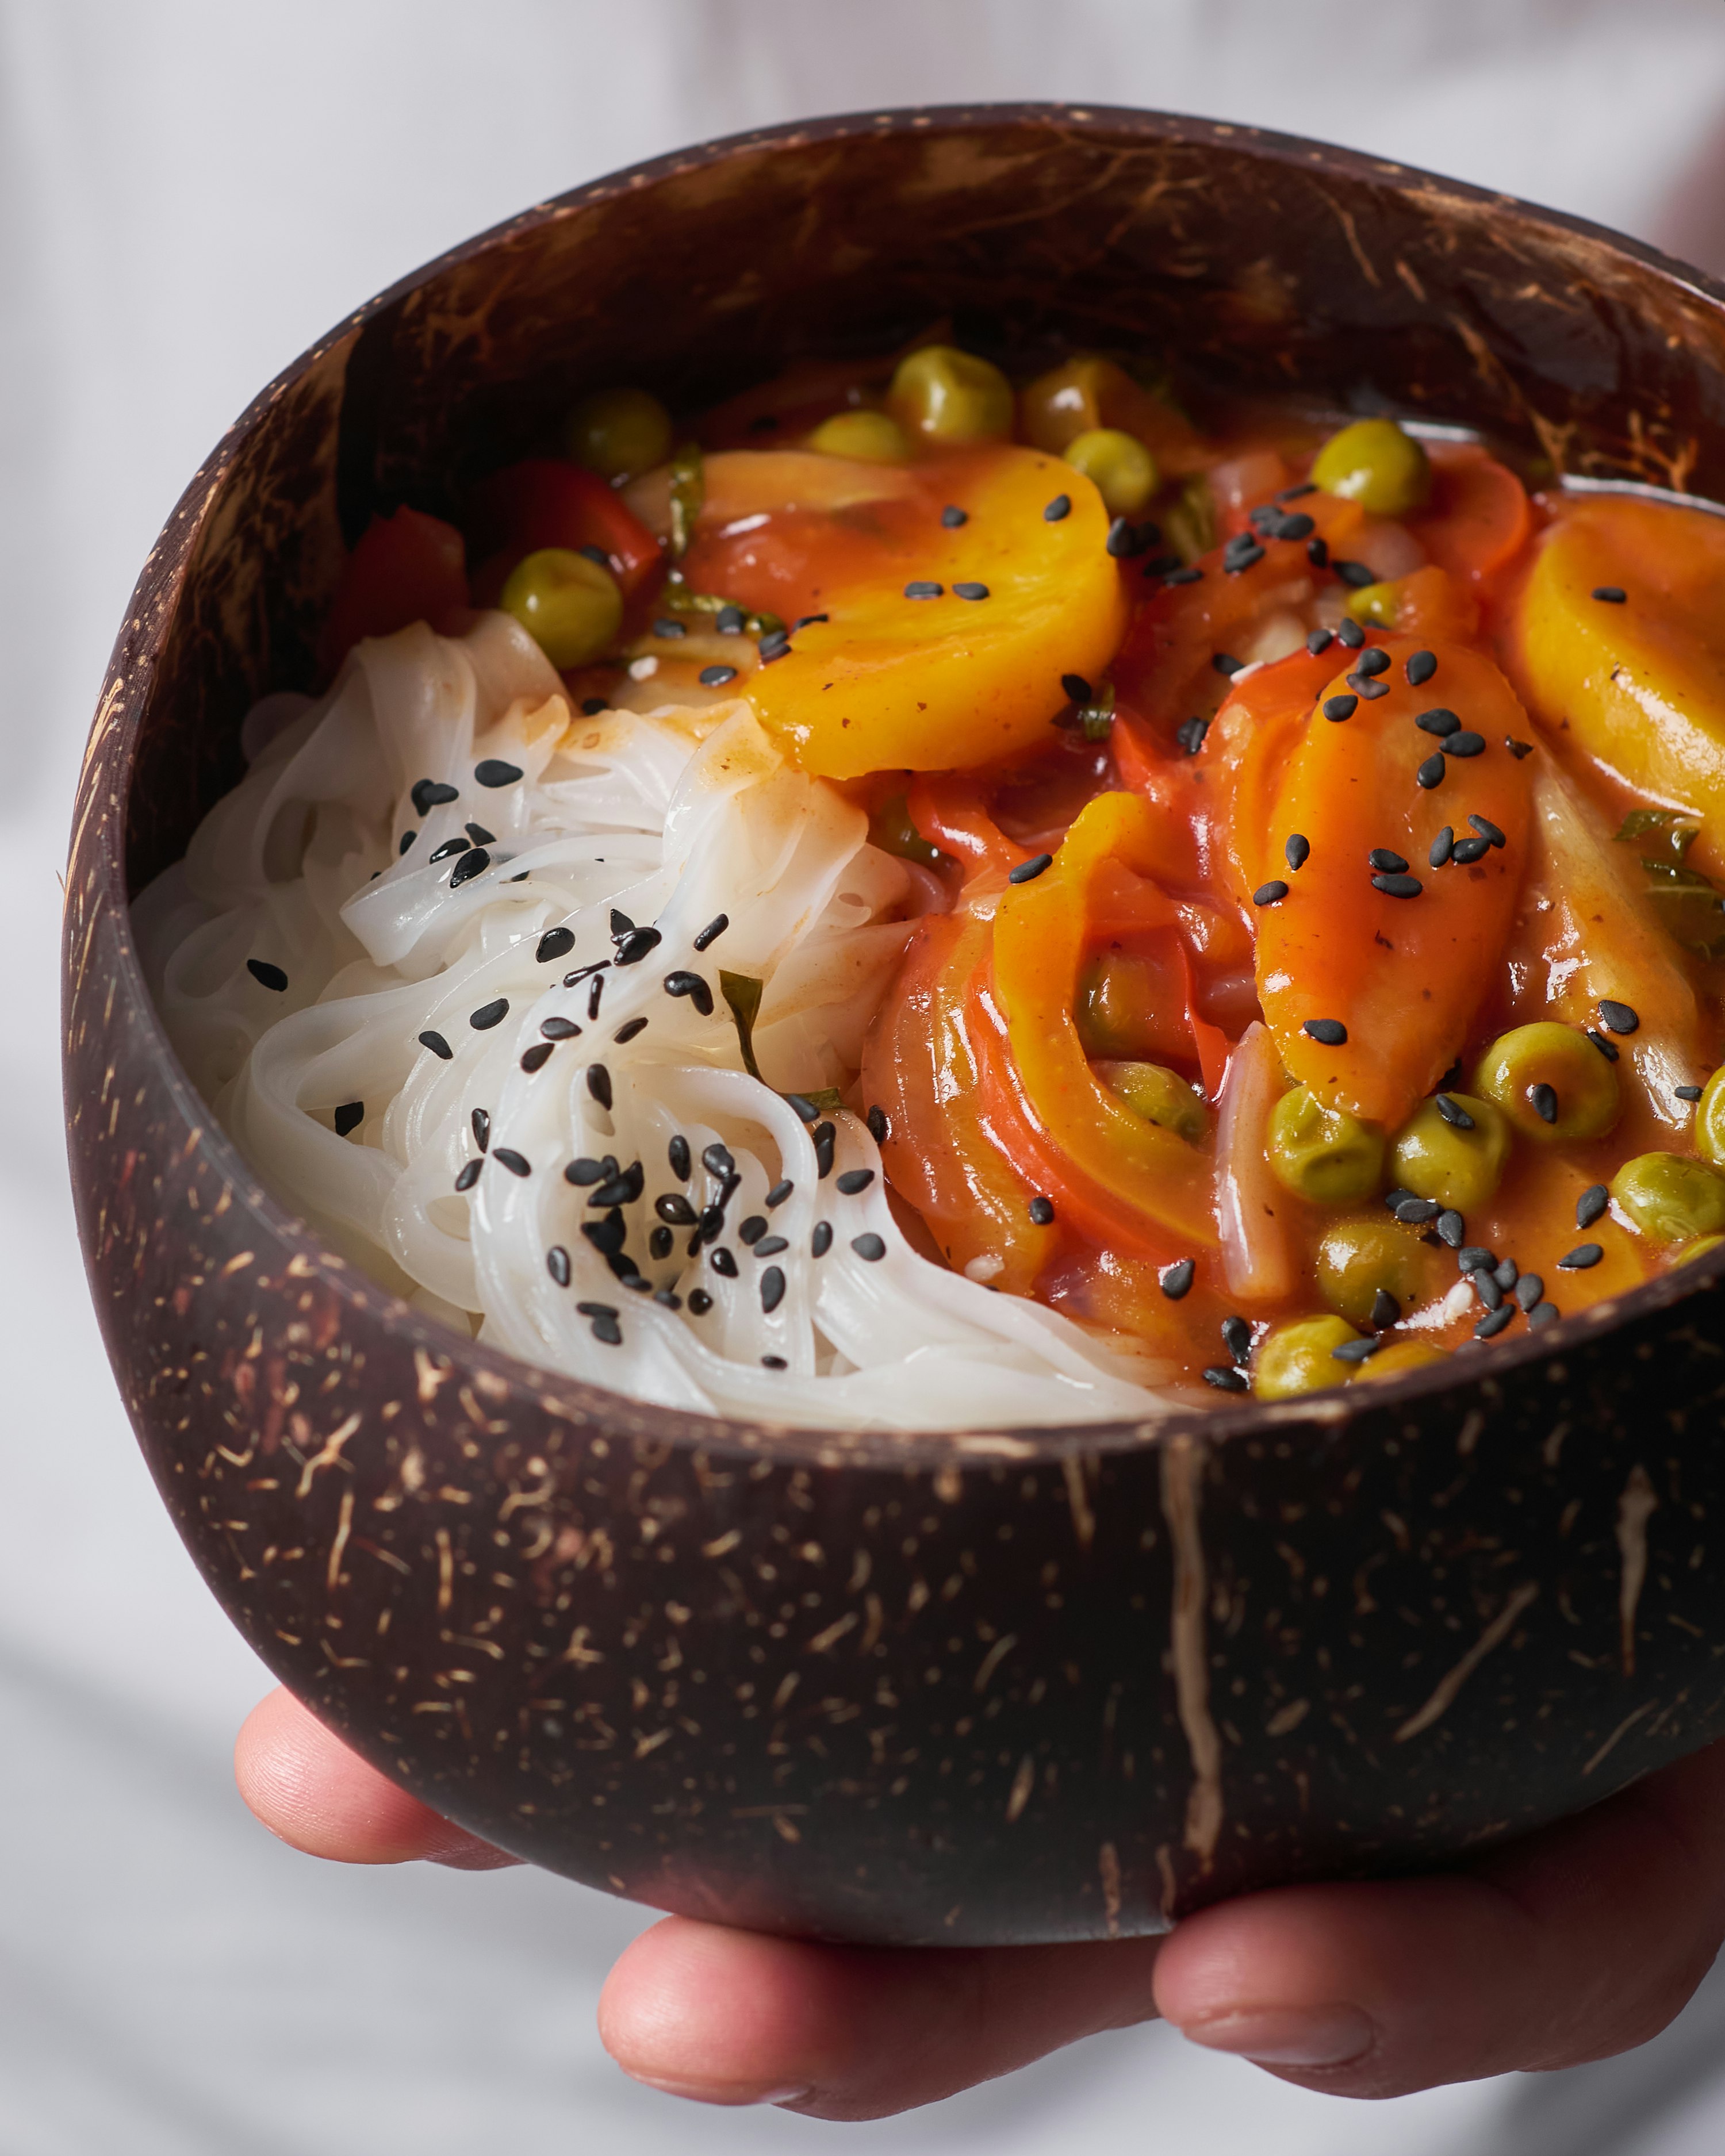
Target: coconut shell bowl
point(986, 1687)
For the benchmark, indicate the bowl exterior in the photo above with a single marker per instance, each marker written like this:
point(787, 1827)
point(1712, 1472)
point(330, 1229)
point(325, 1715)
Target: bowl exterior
point(998, 1686)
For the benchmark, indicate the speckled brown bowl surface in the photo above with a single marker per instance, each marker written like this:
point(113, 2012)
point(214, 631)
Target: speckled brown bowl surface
point(990, 1687)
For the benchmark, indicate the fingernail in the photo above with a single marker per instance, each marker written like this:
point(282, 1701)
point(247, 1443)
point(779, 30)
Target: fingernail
point(1288, 2036)
point(734, 2093)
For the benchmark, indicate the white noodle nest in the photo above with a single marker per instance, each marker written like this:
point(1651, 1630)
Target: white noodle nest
point(671, 816)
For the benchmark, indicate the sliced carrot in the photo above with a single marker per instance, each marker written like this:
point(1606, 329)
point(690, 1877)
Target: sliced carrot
point(1478, 519)
point(1246, 752)
point(1403, 976)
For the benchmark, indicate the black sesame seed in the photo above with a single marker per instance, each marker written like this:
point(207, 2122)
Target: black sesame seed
point(494, 772)
point(1042, 1212)
point(659, 1243)
point(1452, 1229)
point(920, 588)
point(537, 1056)
point(349, 1117)
point(1298, 491)
point(1529, 1288)
point(438, 1046)
point(1374, 661)
point(1608, 1049)
point(559, 1029)
point(595, 1310)
point(635, 946)
point(1517, 749)
point(1431, 773)
point(1242, 552)
point(678, 1151)
point(450, 848)
point(1059, 508)
point(1078, 690)
point(473, 862)
point(1398, 886)
point(1583, 1257)
point(1320, 641)
point(716, 1159)
point(1296, 527)
point(1386, 1311)
point(1329, 1031)
point(556, 1264)
point(824, 1136)
point(970, 591)
point(700, 1302)
point(803, 1110)
point(1418, 1212)
point(507, 1157)
point(1356, 1351)
point(713, 931)
point(586, 1170)
point(1271, 893)
point(1487, 831)
point(731, 621)
point(1494, 1321)
point(771, 1247)
point(1466, 851)
point(852, 1180)
point(1337, 708)
point(1392, 1199)
point(1190, 733)
point(773, 1362)
point(480, 835)
point(1165, 566)
point(630, 1031)
point(1487, 1288)
point(429, 794)
point(1442, 846)
point(1226, 665)
point(1454, 1113)
point(1350, 634)
point(723, 1263)
point(1366, 685)
point(1317, 552)
point(469, 1175)
point(879, 1128)
point(1420, 667)
point(668, 1298)
point(1475, 1259)
point(1176, 1281)
point(1237, 1338)
point(1543, 1101)
point(591, 706)
point(489, 1014)
point(712, 1223)
point(777, 1196)
point(771, 1288)
point(555, 943)
point(675, 1209)
point(406, 840)
point(1298, 851)
point(1542, 1314)
point(869, 1247)
point(609, 1331)
point(1688, 1092)
point(1225, 1379)
point(1611, 594)
point(1437, 721)
point(716, 677)
point(599, 1084)
point(266, 975)
point(1183, 576)
point(1465, 744)
point(1126, 539)
point(692, 986)
point(1618, 1018)
point(751, 1229)
point(1506, 1273)
point(1028, 871)
point(1382, 858)
point(1356, 575)
point(667, 626)
point(821, 1241)
point(953, 517)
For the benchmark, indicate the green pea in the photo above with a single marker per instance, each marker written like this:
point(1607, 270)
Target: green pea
point(571, 606)
point(1300, 1357)
point(1361, 1258)
point(871, 437)
point(1159, 1096)
point(1323, 1153)
point(1374, 463)
point(1671, 1199)
point(618, 433)
point(1710, 1120)
point(1555, 1068)
point(1123, 469)
point(951, 396)
point(1459, 1168)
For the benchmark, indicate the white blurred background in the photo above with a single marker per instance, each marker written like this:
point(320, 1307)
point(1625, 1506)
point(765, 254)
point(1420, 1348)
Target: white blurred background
point(190, 193)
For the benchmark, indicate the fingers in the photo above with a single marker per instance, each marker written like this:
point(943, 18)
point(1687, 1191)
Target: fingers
point(1580, 1941)
point(306, 1786)
point(853, 2032)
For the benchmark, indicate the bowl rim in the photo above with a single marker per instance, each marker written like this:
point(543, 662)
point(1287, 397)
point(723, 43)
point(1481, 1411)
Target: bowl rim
point(112, 746)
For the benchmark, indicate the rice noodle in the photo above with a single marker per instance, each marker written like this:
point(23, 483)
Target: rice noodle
point(672, 817)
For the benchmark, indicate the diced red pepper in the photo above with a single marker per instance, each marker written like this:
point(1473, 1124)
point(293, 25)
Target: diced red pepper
point(406, 568)
point(541, 502)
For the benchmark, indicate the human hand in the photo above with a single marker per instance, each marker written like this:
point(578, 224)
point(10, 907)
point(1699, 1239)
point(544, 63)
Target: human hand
point(1571, 1944)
